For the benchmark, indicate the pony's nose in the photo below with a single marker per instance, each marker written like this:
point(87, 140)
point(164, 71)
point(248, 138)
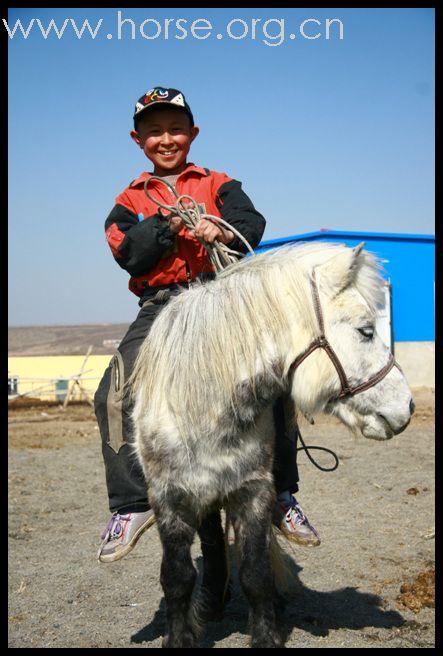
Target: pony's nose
point(411, 406)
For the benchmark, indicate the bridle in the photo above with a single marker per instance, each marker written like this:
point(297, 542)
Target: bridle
point(322, 342)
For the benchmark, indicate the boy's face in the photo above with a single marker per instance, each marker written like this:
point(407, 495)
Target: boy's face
point(165, 135)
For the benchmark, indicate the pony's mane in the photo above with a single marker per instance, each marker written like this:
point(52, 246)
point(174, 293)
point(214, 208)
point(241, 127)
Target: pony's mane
point(224, 330)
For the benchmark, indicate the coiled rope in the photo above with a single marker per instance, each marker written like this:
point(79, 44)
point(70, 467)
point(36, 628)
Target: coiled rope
point(187, 208)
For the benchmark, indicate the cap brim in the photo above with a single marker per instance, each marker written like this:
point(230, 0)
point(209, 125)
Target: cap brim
point(163, 102)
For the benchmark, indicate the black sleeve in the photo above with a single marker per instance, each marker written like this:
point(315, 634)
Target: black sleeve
point(141, 243)
point(237, 209)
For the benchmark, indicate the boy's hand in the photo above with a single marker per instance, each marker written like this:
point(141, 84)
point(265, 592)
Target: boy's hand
point(209, 232)
point(175, 223)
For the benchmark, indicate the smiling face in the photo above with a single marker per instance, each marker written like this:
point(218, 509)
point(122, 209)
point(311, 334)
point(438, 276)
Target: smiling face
point(165, 135)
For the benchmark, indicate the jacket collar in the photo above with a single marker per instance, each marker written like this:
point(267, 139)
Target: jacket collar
point(191, 168)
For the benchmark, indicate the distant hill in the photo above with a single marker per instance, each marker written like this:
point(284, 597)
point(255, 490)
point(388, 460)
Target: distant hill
point(65, 340)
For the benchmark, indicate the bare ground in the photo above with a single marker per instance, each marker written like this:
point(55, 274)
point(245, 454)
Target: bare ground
point(369, 584)
point(64, 340)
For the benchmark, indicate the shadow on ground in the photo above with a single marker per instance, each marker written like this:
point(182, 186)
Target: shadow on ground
point(310, 611)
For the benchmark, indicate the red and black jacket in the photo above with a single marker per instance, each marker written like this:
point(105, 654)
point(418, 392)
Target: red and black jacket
point(142, 243)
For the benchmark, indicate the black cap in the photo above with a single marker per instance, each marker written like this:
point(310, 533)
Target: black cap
point(161, 96)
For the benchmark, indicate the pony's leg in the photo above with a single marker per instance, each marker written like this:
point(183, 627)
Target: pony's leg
point(215, 590)
point(177, 578)
point(251, 510)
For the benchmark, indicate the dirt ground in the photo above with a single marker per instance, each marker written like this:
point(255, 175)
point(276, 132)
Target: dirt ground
point(369, 584)
point(64, 340)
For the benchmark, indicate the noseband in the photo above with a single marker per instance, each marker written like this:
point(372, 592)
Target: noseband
point(322, 342)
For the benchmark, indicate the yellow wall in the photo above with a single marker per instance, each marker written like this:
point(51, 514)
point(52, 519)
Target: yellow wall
point(41, 372)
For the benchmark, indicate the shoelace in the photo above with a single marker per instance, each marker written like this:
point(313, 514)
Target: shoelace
point(296, 509)
point(300, 516)
point(114, 527)
point(113, 530)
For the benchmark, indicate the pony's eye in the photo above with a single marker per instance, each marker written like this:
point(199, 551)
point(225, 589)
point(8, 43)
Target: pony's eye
point(367, 332)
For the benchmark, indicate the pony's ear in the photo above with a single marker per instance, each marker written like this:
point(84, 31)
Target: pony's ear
point(358, 249)
point(339, 272)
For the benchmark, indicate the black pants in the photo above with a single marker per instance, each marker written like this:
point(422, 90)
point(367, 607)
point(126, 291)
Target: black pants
point(124, 476)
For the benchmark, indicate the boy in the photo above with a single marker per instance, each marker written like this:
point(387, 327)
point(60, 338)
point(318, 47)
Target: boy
point(162, 255)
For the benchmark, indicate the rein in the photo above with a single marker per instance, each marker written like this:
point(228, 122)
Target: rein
point(346, 390)
point(322, 342)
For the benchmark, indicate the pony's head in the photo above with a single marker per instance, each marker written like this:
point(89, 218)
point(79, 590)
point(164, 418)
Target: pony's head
point(350, 372)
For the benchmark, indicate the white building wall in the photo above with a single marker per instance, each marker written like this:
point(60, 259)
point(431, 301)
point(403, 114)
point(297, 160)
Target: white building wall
point(417, 360)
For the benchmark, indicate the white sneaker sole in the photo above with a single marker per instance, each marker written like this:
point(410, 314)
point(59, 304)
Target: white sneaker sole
point(293, 537)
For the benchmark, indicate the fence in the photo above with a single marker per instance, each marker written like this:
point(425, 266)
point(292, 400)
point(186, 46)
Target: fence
point(52, 389)
point(52, 378)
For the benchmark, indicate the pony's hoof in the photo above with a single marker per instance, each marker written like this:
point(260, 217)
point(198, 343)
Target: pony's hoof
point(185, 641)
point(269, 641)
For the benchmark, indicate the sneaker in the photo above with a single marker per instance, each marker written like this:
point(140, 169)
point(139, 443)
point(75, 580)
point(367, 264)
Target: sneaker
point(121, 534)
point(293, 523)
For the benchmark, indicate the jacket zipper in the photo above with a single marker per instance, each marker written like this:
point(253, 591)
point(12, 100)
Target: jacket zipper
point(188, 269)
point(188, 273)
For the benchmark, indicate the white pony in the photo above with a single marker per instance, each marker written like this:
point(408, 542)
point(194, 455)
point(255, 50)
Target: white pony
point(297, 320)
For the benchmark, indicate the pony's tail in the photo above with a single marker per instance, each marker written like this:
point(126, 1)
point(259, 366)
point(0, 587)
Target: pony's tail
point(280, 563)
point(283, 573)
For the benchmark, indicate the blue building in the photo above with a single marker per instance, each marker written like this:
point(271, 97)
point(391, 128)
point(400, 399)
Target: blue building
point(409, 267)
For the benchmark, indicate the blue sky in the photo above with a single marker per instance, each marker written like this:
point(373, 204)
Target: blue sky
point(335, 133)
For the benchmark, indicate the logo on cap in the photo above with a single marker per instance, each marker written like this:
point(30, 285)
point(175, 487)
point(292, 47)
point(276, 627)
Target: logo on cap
point(155, 94)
